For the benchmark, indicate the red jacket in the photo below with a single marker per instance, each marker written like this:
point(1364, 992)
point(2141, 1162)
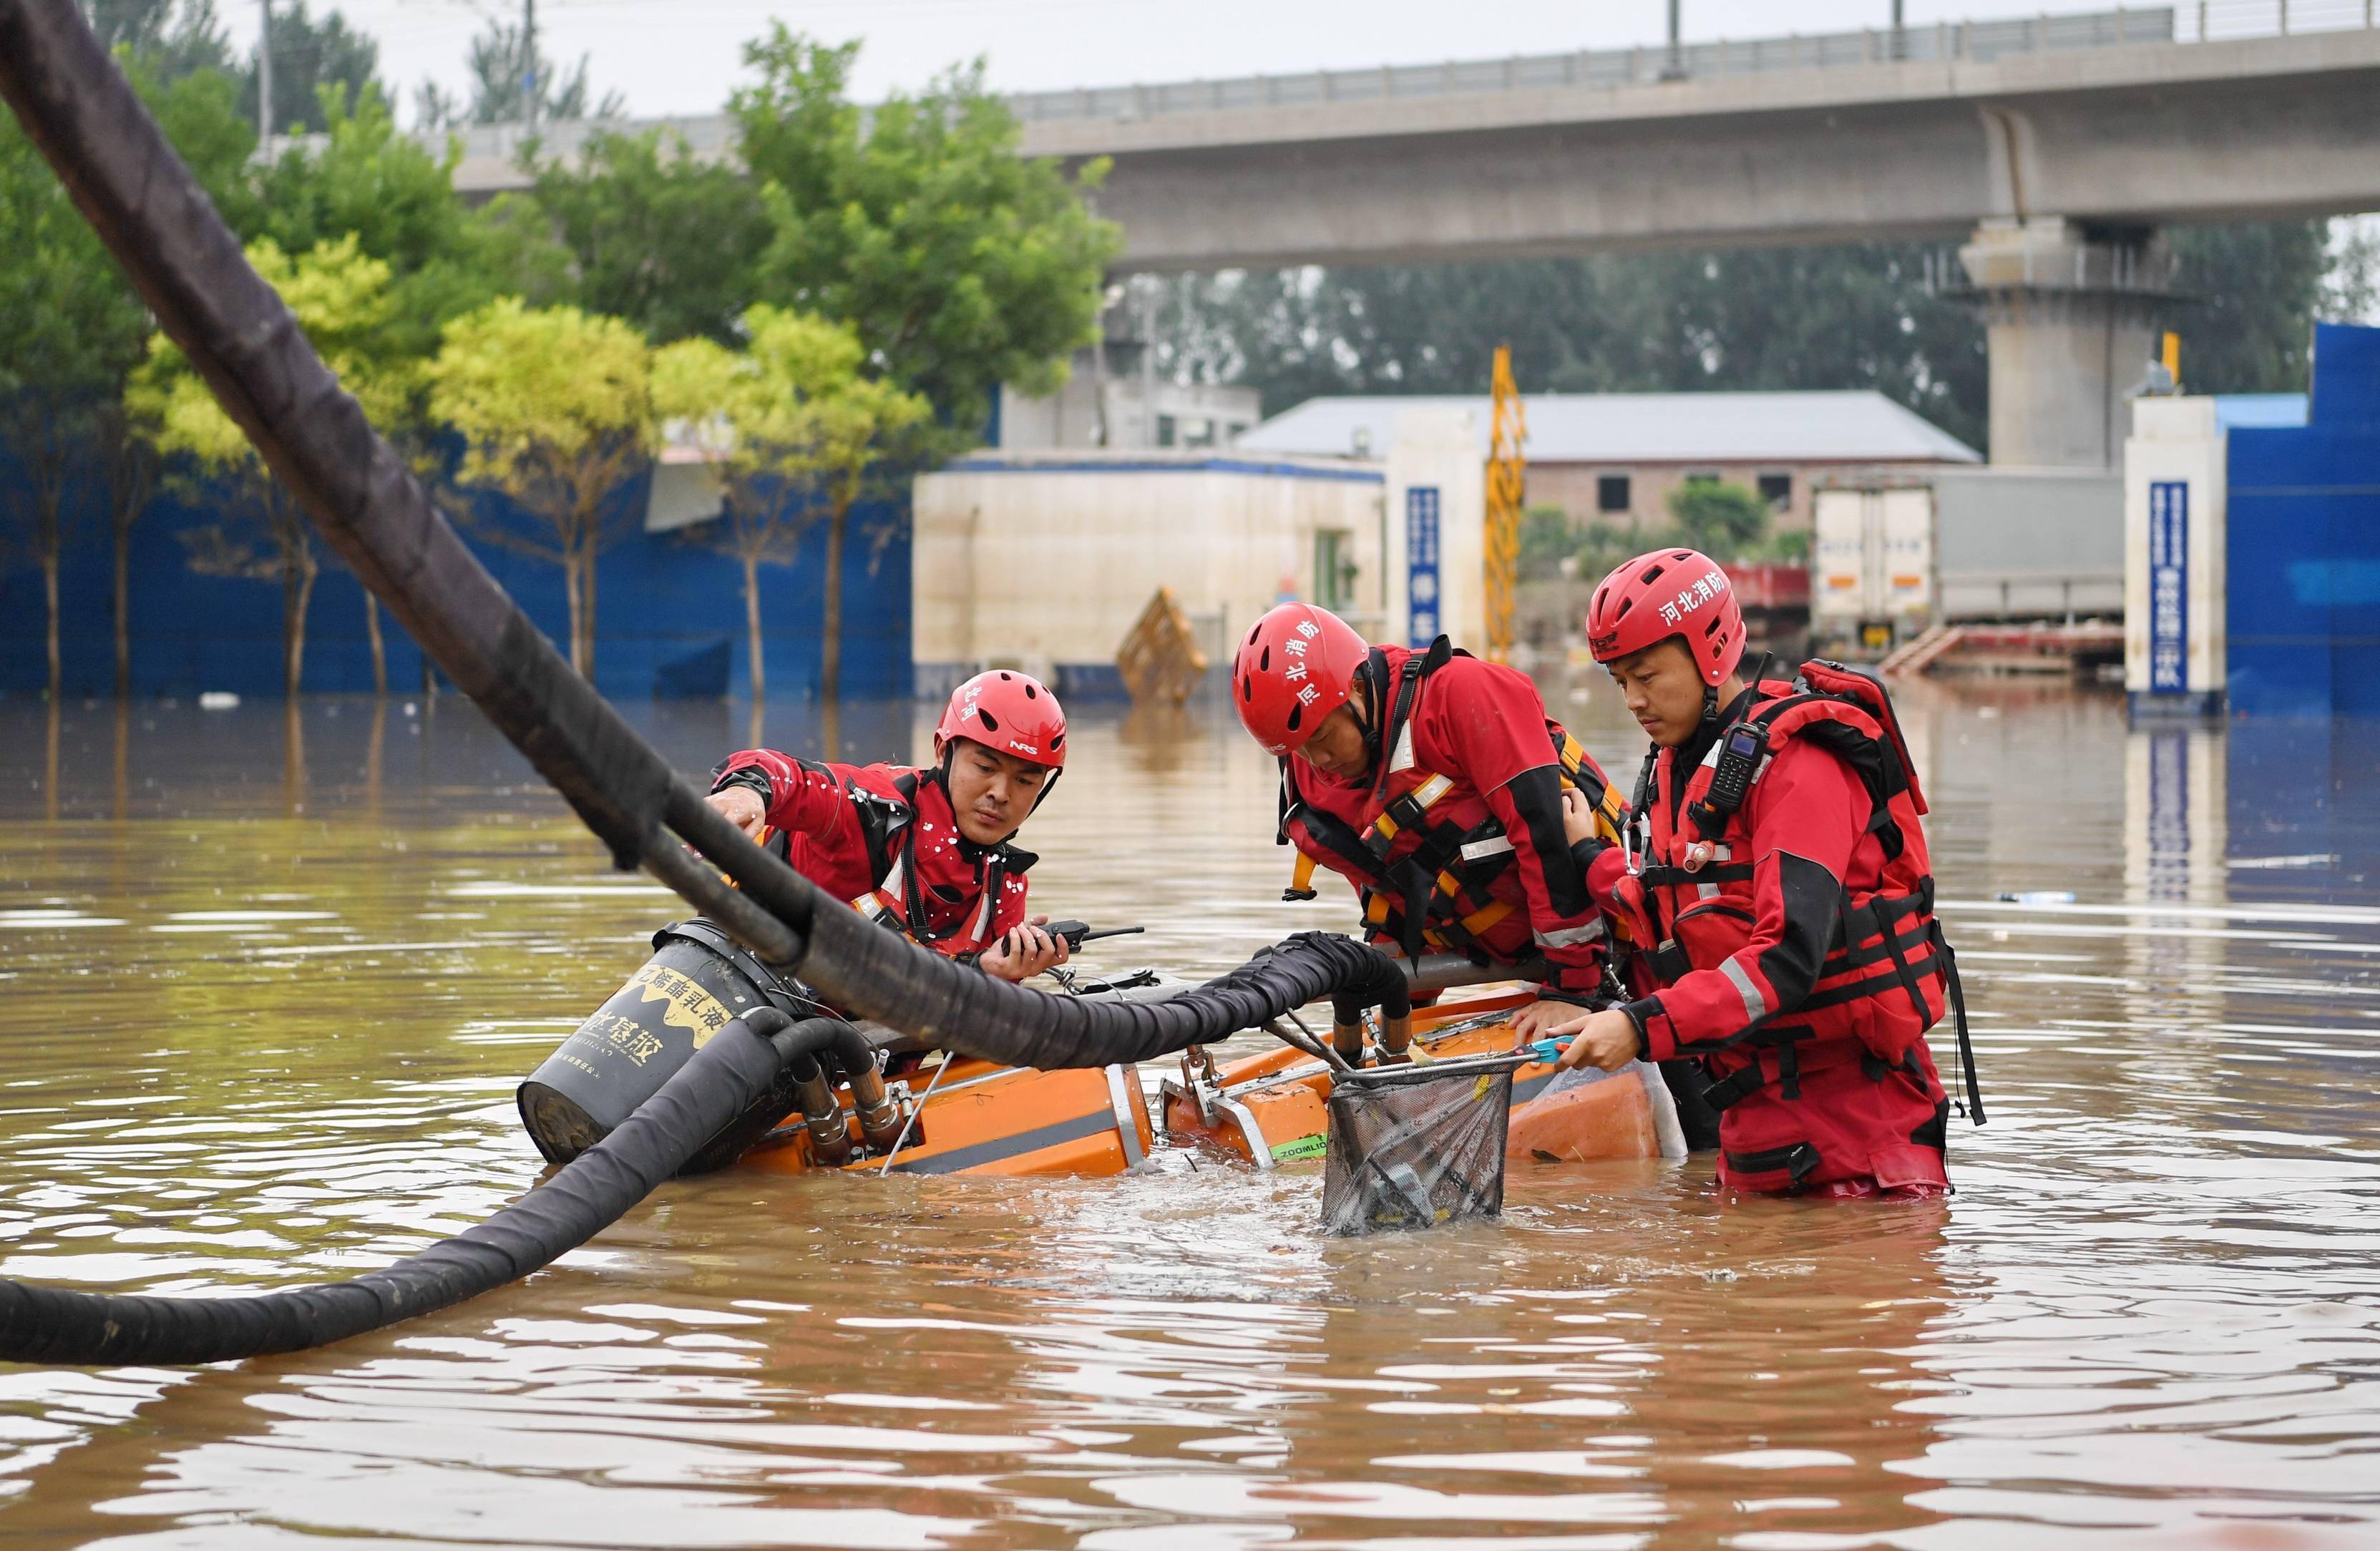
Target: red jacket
point(1801, 963)
point(1481, 851)
point(882, 838)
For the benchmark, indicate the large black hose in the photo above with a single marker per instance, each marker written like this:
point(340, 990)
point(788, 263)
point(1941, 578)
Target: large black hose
point(124, 177)
point(187, 264)
point(46, 1325)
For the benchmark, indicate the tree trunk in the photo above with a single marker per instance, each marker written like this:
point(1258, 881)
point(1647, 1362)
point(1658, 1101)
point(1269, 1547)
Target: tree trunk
point(571, 562)
point(50, 593)
point(752, 624)
point(122, 611)
point(296, 589)
point(293, 757)
point(122, 806)
point(50, 766)
point(130, 474)
point(830, 627)
point(587, 617)
point(379, 647)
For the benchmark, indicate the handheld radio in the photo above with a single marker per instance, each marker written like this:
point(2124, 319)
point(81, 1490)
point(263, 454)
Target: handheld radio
point(1742, 748)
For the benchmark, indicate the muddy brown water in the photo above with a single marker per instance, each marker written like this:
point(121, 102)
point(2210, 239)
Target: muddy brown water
point(266, 984)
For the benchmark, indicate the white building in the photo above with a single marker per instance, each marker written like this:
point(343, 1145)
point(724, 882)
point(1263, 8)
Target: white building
point(1043, 560)
point(1615, 457)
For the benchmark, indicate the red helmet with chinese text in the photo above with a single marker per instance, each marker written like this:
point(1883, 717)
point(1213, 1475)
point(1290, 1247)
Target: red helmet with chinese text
point(1295, 667)
point(1668, 592)
point(1009, 712)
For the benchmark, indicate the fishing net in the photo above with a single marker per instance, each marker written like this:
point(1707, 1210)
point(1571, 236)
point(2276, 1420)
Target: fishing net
point(1416, 1146)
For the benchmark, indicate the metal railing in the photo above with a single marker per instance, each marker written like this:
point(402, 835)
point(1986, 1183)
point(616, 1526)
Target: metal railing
point(1981, 41)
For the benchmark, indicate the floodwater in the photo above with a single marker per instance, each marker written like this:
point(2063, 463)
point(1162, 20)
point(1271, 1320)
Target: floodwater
point(266, 984)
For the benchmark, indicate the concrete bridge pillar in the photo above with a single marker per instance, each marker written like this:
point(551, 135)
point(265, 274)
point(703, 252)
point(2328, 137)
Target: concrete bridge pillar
point(2069, 313)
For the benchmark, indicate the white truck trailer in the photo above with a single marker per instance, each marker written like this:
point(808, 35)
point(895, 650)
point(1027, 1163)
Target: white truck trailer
point(1872, 562)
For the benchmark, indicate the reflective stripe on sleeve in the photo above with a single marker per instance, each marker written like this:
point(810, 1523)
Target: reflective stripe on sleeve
point(1570, 937)
point(1755, 1006)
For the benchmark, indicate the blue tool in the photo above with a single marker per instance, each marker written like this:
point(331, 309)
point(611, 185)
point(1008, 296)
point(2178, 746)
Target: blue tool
point(1545, 1049)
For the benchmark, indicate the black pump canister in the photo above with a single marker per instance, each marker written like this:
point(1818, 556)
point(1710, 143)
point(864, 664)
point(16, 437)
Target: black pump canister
point(697, 982)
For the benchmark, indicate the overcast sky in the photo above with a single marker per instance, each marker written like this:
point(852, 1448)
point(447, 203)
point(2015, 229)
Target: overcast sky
point(680, 57)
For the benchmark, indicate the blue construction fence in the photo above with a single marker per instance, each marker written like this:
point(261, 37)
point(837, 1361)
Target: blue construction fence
point(2304, 553)
point(669, 611)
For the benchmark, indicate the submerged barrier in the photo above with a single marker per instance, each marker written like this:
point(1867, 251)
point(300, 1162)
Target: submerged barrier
point(116, 163)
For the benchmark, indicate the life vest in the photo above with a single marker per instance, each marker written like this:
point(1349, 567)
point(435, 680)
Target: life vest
point(886, 806)
point(1427, 861)
point(1889, 974)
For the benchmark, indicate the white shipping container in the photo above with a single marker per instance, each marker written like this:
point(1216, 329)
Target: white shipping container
point(1872, 556)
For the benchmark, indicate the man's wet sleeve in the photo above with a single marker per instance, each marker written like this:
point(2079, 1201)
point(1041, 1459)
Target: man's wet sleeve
point(802, 799)
point(1807, 813)
point(1567, 927)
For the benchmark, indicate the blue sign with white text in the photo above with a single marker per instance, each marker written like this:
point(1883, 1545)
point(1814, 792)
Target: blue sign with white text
point(2168, 587)
point(1421, 564)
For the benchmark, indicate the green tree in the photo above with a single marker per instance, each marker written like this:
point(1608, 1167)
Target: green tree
point(397, 197)
point(1547, 541)
point(1726, 521)
point(1780, 318)
point(791, 425)
point(501, 71)
point(309, 57)
point(2253, 293)
point(654, 235)
point(71, 328)
point(1861, 315)
point(959, 263)
point(170, 38)
point(555, 407)
point(341, 298)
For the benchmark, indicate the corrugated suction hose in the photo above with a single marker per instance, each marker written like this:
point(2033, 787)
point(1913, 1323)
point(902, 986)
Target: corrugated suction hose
point(116, 165)
point(46, 1325)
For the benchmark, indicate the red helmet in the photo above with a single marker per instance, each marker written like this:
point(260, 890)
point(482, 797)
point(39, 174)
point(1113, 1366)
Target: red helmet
point(1295, 668)
point(1669, 592)
point(1010, 712)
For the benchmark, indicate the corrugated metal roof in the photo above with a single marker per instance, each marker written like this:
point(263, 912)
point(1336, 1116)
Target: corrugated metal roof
point(1620, 429)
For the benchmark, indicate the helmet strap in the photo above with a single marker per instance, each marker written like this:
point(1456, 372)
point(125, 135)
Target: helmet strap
point(1043, 796)
point(1371, 686)
point(942, 777)
point(1710, 704)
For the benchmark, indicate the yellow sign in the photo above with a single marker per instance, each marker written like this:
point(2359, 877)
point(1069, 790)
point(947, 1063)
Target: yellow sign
point(684, 1004)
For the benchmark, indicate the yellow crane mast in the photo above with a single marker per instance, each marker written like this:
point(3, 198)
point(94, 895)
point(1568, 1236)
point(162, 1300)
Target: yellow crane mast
point(1506, 477)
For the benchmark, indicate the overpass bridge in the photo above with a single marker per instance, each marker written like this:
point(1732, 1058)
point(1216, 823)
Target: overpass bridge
point(2052, 146)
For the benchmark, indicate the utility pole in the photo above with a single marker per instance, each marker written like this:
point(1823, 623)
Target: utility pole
point(1900, 33)
point(1149, 361)
point(1676, 67)
point(528, 63)
point(264, 78)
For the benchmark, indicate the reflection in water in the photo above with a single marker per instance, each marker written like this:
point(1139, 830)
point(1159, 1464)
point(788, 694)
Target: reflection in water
point(264, 1025)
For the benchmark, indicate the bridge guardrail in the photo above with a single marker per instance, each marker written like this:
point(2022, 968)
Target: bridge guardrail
point(2189, 22)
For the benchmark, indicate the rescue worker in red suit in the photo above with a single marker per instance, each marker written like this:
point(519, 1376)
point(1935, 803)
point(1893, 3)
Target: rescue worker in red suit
point(924, 851)
point(1777, 886)
point(1436, 785)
